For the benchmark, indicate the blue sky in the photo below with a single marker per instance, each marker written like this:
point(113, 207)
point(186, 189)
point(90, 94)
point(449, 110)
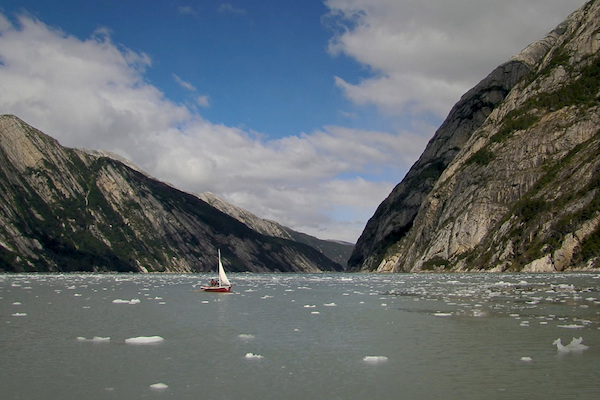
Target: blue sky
point(304, 112)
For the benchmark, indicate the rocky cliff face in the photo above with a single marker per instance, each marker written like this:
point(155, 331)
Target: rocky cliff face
point(64, 209)
point(510, 181)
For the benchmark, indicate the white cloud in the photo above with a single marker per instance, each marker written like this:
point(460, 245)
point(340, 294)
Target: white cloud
point(184, 84)
point(230, 8)
point(203, 101)
point(92, 93)
point(187, 10)
point(424, 54)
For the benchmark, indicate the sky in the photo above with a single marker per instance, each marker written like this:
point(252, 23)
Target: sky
point(305, 112)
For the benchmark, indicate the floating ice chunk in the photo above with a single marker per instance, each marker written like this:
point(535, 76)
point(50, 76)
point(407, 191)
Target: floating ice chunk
point(252, 356)
point(121, 301)
point(571, 326)
point(246, 336)
point(95, 339)
point(315, 312)
point(330, 305)
point(159, 386)
point(309, 306)
point(526, 359)
point(442, 314)
point(575, 346)
point(19, 314)
point(16, 303)
point(144, 340)
point(375, 359)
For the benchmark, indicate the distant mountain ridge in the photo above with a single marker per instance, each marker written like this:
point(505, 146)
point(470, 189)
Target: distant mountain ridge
point(509, 182)
point(66, 209)
point(337, 251)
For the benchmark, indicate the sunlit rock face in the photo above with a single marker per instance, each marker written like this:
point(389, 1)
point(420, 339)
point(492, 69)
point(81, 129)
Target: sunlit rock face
point(65, 209)
point(510, 179)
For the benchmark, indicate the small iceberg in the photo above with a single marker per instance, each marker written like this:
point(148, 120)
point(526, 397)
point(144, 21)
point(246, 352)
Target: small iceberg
point(571, 326)
point(246, 336)
point(252, 356)
point(95, 339)
point(442, 314)
point(575, 346)
point(375, 359)
point(121, 301)
point(159, 386)
point(19, 314)
point(144, 340)
point(526, 359)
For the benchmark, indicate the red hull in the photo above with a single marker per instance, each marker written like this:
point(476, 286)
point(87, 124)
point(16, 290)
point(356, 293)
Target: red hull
point(222, 289)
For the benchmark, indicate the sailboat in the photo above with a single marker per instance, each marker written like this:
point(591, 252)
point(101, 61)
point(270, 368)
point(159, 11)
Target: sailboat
point(222, 284)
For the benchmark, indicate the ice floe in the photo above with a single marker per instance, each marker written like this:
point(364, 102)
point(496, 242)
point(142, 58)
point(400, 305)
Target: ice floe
point(144, 340)
point(159, 386)
point(571, 326)
point(575, 346)
point(121, 301)
point(246, 336)
point(252, 356)
point(526, 359)
point(442, 314)
point(19, 314)
point(95, 339)
point(375, 359)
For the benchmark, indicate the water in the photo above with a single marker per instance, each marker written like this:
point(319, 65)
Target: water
point(340, 336)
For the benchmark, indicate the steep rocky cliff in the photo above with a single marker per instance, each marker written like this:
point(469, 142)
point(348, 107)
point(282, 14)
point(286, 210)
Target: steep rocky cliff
point(510, 181)
point(64, 209)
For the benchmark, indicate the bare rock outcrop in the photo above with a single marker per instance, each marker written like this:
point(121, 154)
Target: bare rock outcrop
point(512, 185)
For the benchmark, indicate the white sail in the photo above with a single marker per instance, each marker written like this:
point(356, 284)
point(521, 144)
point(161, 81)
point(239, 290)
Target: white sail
point(222, 277)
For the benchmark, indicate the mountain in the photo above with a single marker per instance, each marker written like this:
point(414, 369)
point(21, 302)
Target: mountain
point(511, 179)
point(337, 251)
point(64, 209)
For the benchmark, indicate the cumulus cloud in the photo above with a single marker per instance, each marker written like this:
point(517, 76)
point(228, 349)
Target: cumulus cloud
point(424, 54)
point(421, 55)
point(93, 93)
